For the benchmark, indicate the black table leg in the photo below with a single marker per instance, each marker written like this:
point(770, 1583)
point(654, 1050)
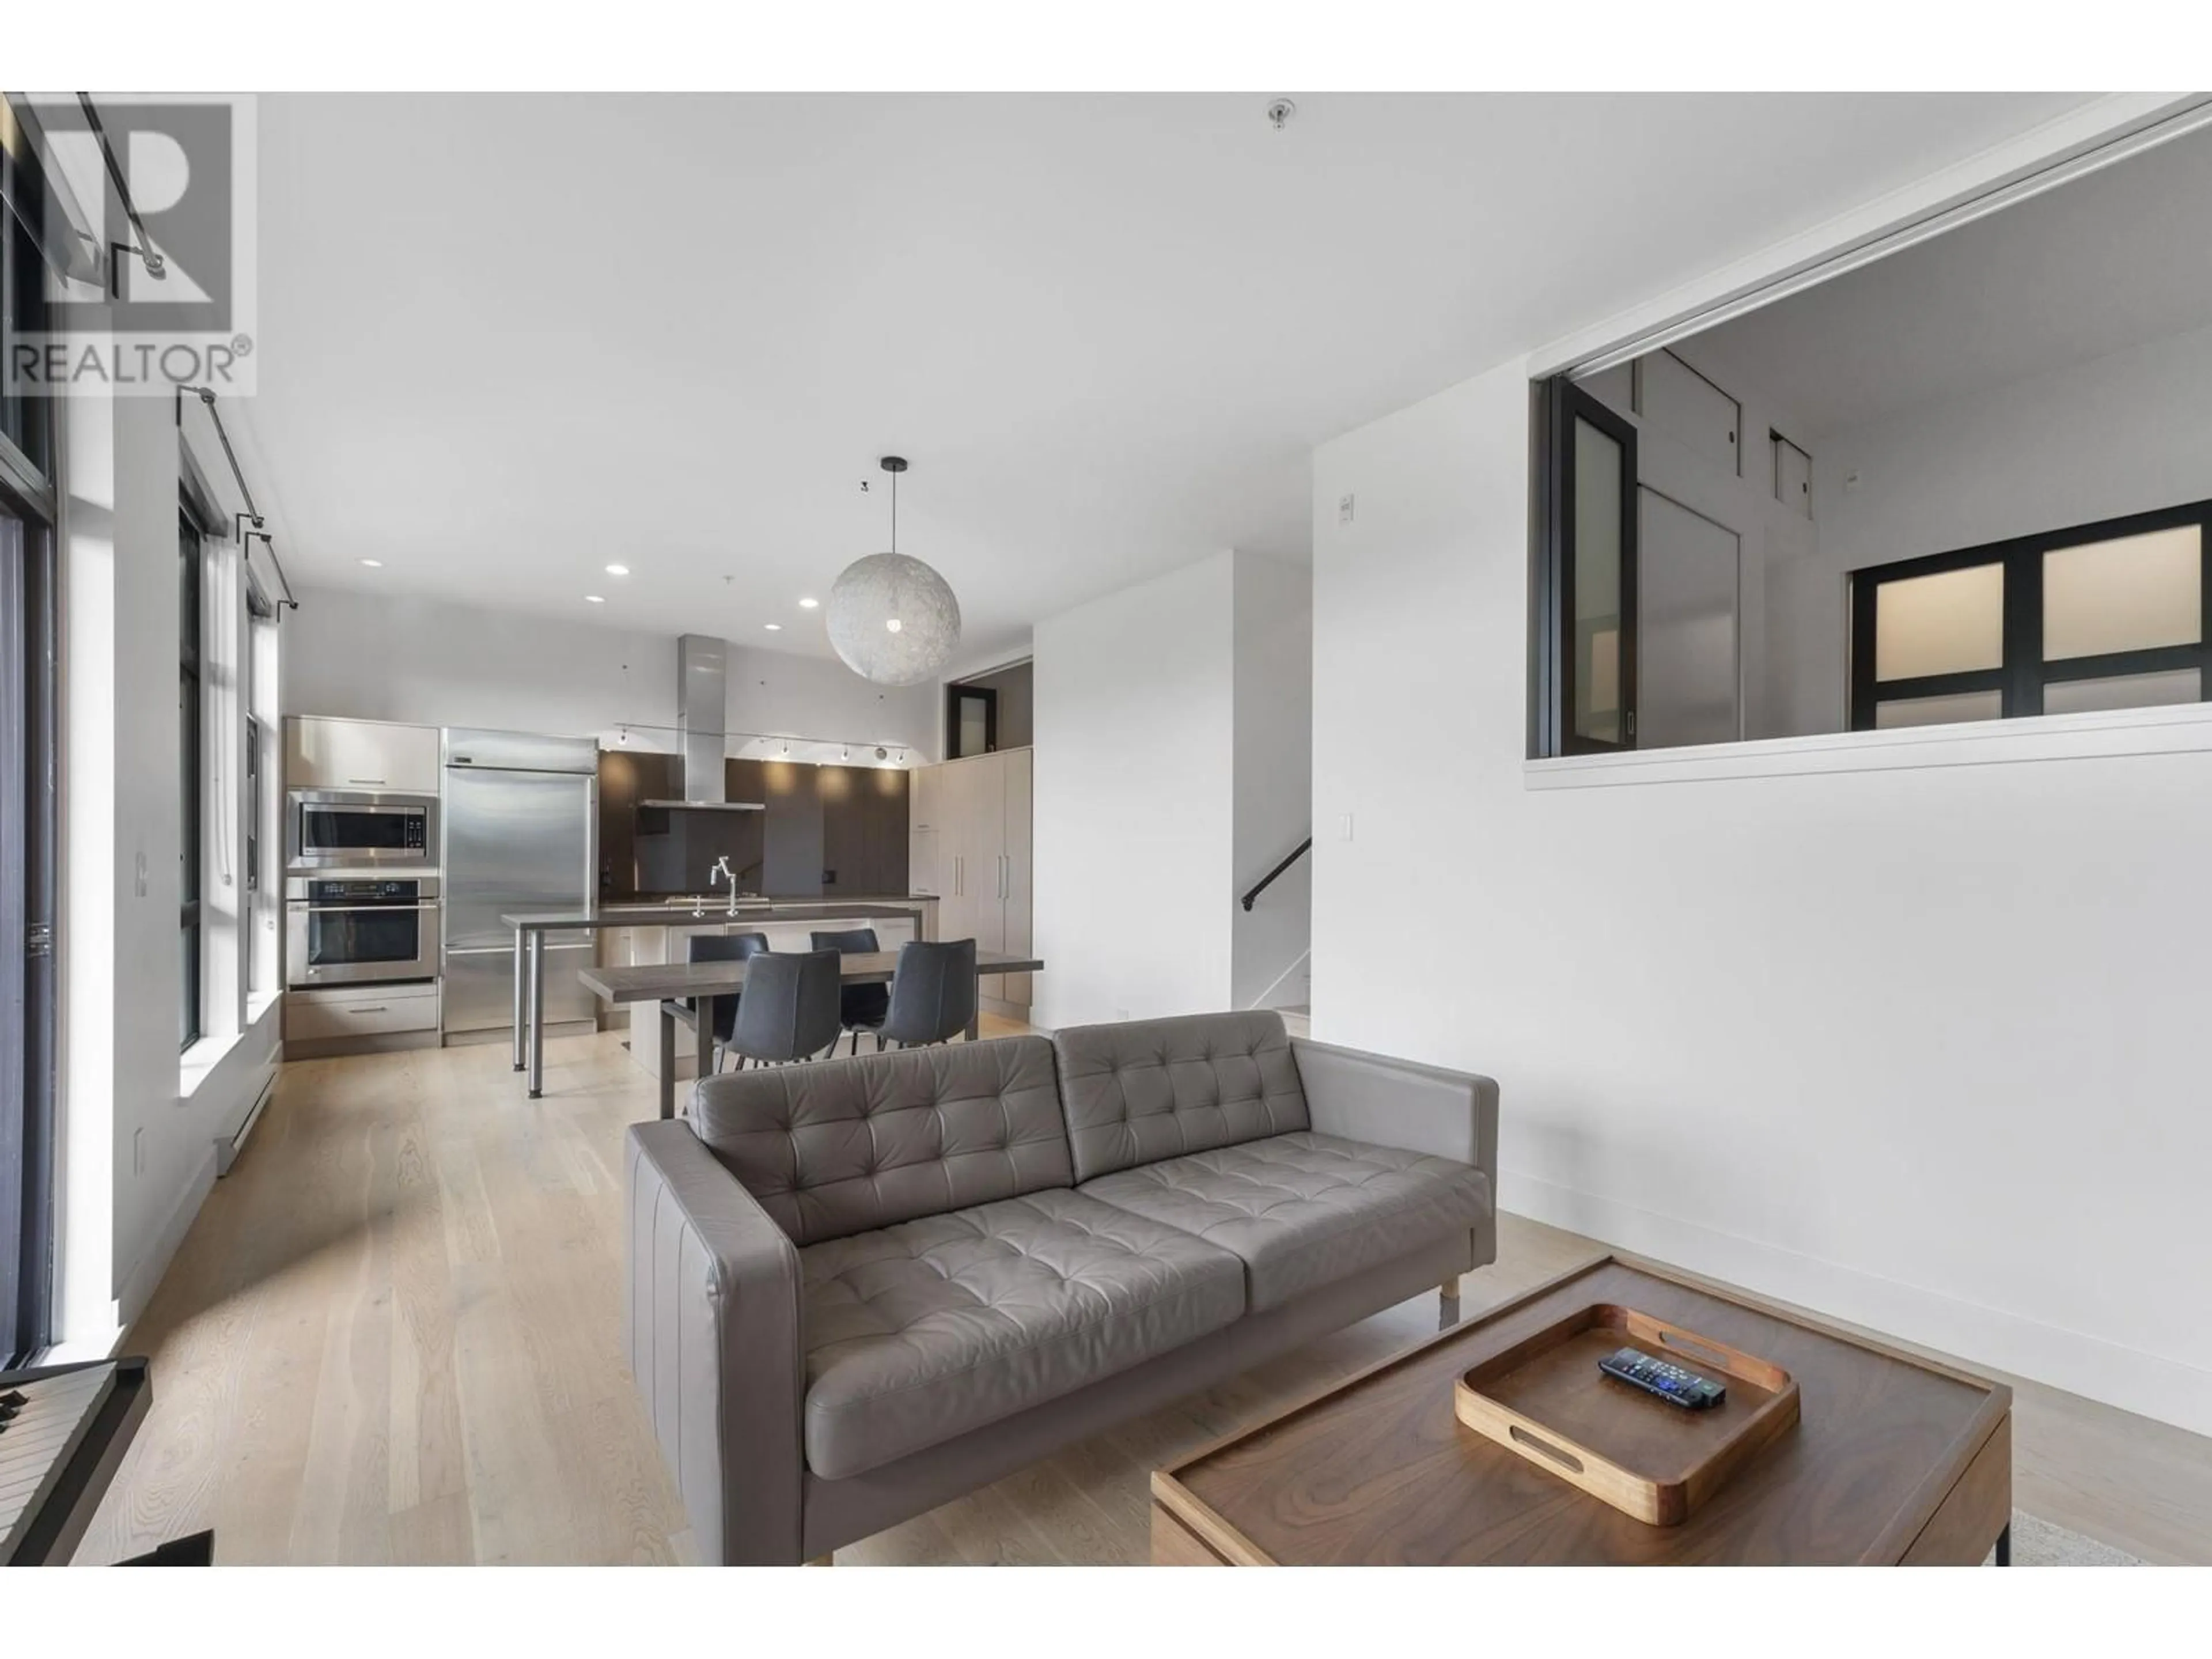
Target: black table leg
point(2004, 1545)
point(702, 1033)
point(667, 1062)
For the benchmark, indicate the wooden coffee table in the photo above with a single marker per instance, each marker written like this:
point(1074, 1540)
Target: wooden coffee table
point(1895, 1459)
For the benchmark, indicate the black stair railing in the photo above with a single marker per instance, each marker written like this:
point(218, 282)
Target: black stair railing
point(1269, 880)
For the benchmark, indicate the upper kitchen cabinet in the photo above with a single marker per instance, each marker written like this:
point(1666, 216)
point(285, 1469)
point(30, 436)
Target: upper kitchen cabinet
point(337, 754)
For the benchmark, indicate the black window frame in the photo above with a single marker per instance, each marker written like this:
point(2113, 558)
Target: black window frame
point(31, 446)
point(1552, 652)
point(29, 799)
point(191, 733)
point(2021, 676)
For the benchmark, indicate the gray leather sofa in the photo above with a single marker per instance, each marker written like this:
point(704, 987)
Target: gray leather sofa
point(860, 1288)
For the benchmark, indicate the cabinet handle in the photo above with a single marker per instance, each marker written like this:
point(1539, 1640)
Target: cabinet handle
point(1004, 870)
point(370, 1008)
point(378, 780)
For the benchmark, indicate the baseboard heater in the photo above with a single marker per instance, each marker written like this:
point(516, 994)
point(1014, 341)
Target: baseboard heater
point(226, 1151)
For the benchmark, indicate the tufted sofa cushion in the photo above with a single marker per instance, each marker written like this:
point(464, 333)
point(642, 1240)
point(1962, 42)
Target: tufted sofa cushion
point(921, 1332)
point(1303, 1210)
point(840, 1146)
point(1153, 1089)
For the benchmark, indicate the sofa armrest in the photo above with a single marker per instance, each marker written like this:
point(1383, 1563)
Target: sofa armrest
point(1412, 1107)
point(715, 1342)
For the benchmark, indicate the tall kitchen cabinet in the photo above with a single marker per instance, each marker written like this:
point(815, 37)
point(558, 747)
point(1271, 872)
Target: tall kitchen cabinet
point(969, 845)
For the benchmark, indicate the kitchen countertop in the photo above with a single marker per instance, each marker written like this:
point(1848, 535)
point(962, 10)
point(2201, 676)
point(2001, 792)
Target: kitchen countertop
point(655, 913)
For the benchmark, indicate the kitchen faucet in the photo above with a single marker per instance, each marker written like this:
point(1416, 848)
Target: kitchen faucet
point(722, 869)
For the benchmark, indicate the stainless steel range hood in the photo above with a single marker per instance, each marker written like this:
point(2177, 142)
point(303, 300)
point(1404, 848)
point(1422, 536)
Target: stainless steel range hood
point(703, 724)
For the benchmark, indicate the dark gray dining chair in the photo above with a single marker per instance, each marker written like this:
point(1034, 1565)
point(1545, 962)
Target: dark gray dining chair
point(861, 1007)
point(723, 947)
point(932, 994)
point(789, 1009)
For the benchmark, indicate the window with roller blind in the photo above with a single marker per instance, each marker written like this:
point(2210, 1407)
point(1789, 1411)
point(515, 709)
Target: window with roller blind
point(2097, 616)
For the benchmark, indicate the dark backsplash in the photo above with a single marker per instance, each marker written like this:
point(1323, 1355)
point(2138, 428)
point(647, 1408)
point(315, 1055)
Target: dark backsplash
point(828, 829)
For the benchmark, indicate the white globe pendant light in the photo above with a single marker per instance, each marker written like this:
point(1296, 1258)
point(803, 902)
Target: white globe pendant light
point(892, 618)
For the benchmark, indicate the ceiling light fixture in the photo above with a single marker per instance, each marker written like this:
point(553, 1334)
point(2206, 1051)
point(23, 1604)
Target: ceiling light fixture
point(893, 619)
point(618, 570)
point(594, 598)
point(374, 564)
point(773, 628)
point(808, 605)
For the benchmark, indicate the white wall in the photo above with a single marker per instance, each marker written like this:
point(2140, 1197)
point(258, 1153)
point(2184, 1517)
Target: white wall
point(774, 692)
point(2121, 433)
point(1274, 782)
point(435, 663)
point(138, 1136)
point(1916, 1046)
point(1134, 813)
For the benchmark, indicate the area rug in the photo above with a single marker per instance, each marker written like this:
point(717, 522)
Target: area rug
point(2039, 1543)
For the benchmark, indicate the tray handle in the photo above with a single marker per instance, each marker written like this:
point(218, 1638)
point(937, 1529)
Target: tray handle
point(1558, 1454)
point(1684, 1343)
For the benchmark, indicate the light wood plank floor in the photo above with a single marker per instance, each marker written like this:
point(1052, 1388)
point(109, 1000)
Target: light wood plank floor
point(392, 1335)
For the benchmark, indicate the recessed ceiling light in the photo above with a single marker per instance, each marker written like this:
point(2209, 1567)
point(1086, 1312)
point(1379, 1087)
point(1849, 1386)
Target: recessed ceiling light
point(594, 598)
point(891, 624)
point(773, 628)
point(808, 605)
point(374, 564)
point(618, 570)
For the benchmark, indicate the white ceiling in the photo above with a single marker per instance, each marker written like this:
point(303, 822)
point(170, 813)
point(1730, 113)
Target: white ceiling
point(2101, 263)
point(506, 340)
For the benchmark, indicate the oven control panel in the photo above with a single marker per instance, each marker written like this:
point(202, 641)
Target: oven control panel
point(364, 892)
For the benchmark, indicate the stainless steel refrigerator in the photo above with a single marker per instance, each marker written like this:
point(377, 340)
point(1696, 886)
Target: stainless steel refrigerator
point(521, 831)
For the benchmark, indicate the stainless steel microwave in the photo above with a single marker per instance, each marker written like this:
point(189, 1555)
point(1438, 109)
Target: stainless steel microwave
point(360, 829)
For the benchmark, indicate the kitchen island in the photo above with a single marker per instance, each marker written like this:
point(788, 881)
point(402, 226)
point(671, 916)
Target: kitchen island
point(655, 917)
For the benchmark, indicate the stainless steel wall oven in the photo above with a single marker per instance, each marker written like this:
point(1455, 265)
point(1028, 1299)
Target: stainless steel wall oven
point(361, 930)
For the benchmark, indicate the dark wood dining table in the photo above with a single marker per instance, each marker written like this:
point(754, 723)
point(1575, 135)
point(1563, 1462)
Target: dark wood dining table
point(664, 983)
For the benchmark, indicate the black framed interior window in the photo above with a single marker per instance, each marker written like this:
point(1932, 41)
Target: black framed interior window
point(190, 770)
point(1583, 622)
point(2116, 614)
point(971, 721)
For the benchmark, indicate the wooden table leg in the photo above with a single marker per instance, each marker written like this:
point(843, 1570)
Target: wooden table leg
point(667, 1061)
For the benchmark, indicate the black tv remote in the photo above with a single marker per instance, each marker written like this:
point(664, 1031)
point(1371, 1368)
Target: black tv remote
point(1670, 1382)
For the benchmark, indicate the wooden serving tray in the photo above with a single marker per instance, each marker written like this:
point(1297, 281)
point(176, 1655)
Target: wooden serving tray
point(1546, 1400)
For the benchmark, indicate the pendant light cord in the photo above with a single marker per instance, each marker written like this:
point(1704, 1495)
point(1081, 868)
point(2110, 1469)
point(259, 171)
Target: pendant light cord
point(893, 511)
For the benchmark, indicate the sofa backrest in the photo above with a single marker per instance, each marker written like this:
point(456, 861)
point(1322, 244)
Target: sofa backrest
point(1151, 1089)
point(840, 1146)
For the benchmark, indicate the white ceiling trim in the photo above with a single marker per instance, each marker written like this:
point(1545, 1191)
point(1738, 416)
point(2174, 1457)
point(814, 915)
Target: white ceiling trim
point(2082, 141)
